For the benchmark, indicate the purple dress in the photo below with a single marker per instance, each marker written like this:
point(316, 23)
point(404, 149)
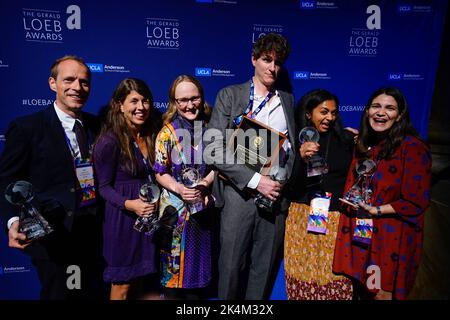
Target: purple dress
point(128, 253)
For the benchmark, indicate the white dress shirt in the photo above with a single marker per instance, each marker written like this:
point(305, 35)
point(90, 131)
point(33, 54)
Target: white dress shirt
point(272, 115)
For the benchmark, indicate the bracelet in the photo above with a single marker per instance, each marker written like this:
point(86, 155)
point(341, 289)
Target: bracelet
point(378, 211)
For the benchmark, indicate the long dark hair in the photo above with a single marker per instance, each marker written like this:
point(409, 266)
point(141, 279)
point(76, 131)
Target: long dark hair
point(309, 102)
point(116, 123)
point(401, 128)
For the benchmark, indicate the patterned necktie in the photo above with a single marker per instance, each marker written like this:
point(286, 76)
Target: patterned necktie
point(81, 139)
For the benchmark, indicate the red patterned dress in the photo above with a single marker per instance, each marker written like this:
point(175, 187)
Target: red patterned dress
point(396, 245)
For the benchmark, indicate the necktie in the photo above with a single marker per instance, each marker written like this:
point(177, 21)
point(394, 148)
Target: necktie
point(81, 139)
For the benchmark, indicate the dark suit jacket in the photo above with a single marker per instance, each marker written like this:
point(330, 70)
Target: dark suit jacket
point(36, 151)
point(231, 102)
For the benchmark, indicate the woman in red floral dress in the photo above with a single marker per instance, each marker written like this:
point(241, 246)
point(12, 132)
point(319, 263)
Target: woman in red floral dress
point(385, 266)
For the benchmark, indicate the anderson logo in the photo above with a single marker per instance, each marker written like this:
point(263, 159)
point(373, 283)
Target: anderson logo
point(212, 72)
point(14, 270)
point(99, 67)
point(203, 72)
point(404, 76)
point(306, 75)
point(95, 67)
point(307, 4)
point(404, 8)
point(394, 76)
point(407, 8)
point(302, 75)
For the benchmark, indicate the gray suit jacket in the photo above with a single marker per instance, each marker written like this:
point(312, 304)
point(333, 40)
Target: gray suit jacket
point(231, 102)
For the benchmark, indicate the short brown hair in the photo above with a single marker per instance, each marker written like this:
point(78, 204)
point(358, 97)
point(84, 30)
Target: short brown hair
point(272, 42)
point(54, 67)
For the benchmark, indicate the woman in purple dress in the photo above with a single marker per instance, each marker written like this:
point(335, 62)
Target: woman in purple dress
point(186, 260)
point(123, 157)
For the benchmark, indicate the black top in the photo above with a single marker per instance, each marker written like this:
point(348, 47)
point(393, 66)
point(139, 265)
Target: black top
point(338, 158)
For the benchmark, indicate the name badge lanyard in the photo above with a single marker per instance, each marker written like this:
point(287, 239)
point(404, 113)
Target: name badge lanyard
point(84, 172)
point(364, 228)
point(319, 205)
point(248, 111)
point(146, 163)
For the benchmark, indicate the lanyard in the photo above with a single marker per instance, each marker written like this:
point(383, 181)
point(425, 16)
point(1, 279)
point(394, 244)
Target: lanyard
point(237, 120)
point(253, 114)
point(145, 161)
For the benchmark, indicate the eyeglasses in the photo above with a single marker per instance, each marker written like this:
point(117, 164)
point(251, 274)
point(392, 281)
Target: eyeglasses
point(185, 101)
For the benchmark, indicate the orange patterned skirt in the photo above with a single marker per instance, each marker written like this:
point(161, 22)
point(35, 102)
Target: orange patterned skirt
point(308, 259)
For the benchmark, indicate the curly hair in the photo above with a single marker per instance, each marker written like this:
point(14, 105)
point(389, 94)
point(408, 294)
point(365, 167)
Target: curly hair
point(272, 42)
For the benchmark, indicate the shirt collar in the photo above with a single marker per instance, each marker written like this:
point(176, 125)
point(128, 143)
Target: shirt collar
point(66, 120)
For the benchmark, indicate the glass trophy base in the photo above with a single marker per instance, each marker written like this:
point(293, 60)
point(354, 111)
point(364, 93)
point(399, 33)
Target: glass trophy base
point(196, 207)
point(263, 203)
point(33, 229)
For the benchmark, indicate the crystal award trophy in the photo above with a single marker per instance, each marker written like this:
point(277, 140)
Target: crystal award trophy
point(276, 173)
point(31, 222)
point(190, 177)
point(361, 190)
point(316, 165)
point(150, 192)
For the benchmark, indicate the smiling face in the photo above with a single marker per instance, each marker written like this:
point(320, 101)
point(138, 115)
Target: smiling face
point(72, 86)
point(188, 100)
point(383, 113)
point(323, 116)
point(135, 109)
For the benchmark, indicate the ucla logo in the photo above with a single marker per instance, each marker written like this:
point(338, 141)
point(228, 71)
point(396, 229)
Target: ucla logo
point(95, 67)
point(203, 72)
point(394, 76)
point(302, 75)
point(404, 8)
point(307, 4)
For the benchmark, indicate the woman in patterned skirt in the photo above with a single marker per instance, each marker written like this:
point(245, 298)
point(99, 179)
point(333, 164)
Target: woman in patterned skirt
point(309, 244)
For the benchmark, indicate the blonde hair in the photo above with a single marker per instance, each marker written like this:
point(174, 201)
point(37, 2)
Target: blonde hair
point(205, 111)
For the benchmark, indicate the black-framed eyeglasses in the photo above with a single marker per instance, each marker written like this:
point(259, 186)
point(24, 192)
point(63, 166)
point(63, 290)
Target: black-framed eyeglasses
point(185, 101)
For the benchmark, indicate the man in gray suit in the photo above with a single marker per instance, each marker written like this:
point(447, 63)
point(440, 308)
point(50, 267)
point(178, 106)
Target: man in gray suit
point(251, 237)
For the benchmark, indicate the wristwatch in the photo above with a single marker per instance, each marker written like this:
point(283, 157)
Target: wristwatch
point(378, 211)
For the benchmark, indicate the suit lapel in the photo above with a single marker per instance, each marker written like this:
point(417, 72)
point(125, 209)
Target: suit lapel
point(244, 96)
point(289, 116)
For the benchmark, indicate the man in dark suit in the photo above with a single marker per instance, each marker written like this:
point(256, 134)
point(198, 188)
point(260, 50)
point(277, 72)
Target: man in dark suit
point(46, 149)
point(247, 232)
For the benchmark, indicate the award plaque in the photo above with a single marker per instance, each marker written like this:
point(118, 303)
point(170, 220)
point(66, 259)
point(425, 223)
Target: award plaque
point(256, 145)
point(150, 192)
point(276, 173)
point(361, 190)
point(31, 222)
point(316, 165)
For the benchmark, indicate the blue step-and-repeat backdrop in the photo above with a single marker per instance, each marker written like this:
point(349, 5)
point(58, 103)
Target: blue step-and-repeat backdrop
point(350, 47)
